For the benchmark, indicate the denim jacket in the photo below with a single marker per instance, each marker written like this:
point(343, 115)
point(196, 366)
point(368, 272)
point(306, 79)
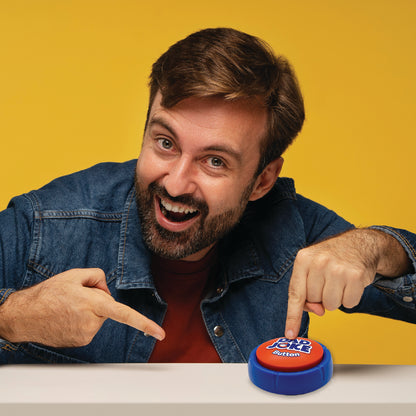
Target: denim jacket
point(89, 219)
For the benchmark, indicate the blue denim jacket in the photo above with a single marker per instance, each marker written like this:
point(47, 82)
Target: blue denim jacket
point(89, 219)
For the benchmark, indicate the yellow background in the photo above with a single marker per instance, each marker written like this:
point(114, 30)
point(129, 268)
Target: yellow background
point(73, 92)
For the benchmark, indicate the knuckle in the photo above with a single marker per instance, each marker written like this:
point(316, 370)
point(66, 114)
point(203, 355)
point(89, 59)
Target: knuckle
point(338, 270)
point(303, 255)
point(321, 261)
point(355, 275)
point(98, 272)
point(294, 295)
point(350, 303)
point(147, 327)
point(331, 306)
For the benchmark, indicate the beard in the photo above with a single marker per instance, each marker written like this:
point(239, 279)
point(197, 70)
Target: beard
point(201, 234)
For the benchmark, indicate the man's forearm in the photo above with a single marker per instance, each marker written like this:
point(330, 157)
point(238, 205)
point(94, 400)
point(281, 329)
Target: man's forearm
point(336, 271)
point(391, 258)
point(4, 325)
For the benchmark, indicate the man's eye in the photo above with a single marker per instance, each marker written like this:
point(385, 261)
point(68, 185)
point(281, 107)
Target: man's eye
point(165, 143)
point(216, 162)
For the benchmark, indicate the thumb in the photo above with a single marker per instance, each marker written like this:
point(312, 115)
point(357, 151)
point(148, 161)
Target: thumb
point(316, 308)
point(95, 278)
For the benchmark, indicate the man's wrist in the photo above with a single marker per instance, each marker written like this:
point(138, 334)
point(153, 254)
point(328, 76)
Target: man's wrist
point(7, 317)
point(391, 258)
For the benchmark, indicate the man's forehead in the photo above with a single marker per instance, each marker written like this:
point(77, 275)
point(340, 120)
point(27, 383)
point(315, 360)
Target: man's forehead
point(216, 112)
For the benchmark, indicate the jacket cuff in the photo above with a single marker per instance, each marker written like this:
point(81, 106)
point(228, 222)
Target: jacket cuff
point(403, 288)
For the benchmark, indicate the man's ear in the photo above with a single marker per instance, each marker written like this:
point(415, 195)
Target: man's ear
point(266, 179)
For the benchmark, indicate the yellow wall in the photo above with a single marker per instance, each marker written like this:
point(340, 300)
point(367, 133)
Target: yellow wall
point(73, 93)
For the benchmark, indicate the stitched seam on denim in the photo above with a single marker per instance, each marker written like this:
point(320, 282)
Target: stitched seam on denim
point(5, 294)
point(384, 289)
point(111, 276)
point(36, 231)
point(85, 217)
point(100, 216)
point(125, 238)
point(34, 234)
point(268, 278)
point(9, 347)
point(288, 263)
point(52, 213)
point(408, 245)
point(44, 271)
point(402, 237)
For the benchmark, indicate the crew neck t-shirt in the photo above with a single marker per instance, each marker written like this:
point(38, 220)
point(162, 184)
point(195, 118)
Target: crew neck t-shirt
point(183, 285)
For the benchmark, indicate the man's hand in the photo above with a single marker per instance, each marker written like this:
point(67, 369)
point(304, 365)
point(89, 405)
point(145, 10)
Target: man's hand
point(336, 271)
point(67, 310)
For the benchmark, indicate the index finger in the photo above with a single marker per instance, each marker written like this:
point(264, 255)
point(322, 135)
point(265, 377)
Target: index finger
point(296, 301)
point(109, 308)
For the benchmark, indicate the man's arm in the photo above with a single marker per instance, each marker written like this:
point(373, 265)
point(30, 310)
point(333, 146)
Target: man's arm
point(336, 271)
point(63, 311)
point(67, 310)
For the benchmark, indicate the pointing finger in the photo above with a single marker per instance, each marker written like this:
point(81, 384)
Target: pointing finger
point(119, 312)
point(297, 297)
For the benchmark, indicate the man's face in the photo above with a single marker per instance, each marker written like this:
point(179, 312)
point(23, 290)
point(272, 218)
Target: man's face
point(195, 173)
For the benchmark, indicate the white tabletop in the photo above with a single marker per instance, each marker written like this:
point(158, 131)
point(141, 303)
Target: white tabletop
point(195, 389)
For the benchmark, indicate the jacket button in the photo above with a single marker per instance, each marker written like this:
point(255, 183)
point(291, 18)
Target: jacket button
point(218, 331)
point(407, 298)
point(220, 290)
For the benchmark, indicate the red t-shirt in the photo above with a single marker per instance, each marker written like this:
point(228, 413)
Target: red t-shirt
point(182, 285)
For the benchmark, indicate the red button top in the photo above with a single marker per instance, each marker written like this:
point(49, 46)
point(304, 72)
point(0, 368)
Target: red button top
point(289, 355)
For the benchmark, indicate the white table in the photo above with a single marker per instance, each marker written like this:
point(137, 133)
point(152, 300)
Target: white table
point(197, 389)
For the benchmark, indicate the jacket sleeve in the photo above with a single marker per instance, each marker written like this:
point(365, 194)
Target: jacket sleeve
point(15, 241)
point(388, 297)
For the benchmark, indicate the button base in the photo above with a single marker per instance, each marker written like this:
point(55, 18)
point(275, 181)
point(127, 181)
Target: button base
point(298, 382)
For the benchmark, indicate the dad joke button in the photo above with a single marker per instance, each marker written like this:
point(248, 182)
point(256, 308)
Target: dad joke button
point(290, 366)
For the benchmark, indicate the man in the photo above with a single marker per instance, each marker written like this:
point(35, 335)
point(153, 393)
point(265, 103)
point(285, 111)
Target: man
point(199, 235)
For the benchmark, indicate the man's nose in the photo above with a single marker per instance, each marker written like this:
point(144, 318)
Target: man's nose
point(180, 179)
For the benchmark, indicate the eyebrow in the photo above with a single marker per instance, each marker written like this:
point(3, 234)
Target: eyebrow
point(214, 148)
point(225, 149)
point(160, 122)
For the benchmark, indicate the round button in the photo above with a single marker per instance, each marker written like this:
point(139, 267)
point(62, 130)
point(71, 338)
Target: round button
point(407, 298)
point(276, 366)
point(218, 331)
point(289, 355)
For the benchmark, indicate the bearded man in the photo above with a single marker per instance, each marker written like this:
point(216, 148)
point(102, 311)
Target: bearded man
point(199, 243)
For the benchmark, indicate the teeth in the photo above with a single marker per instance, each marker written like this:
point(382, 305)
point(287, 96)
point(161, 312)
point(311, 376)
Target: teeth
point(176, 208)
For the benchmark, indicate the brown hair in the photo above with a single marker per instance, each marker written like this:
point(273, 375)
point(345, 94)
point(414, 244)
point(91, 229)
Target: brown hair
point(231, 64)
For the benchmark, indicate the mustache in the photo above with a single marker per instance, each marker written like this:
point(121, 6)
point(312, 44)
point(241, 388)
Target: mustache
point(186, 199)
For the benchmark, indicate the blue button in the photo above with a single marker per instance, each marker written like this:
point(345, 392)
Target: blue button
point(290, 383)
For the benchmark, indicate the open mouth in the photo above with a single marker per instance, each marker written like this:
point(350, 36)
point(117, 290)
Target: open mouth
point(176, 213)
